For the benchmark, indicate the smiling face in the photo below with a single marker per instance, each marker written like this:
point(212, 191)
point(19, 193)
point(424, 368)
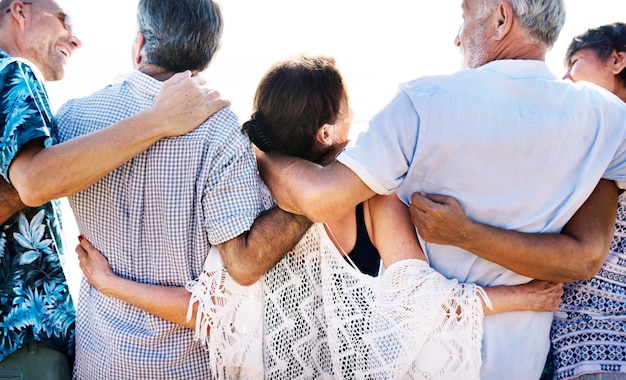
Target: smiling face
point(47, 40)
point(586, 66)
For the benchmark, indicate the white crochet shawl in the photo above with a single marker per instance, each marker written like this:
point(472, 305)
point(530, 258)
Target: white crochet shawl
point(314, 316)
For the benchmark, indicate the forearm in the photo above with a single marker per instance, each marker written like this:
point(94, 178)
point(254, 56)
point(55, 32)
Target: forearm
point(169, 303)
point(575, 254)
point(250, 255)
point(74, 165)
point(321, 193)
point(10, 201)
point(550, 257)
point(180, 106)
point(536, 295)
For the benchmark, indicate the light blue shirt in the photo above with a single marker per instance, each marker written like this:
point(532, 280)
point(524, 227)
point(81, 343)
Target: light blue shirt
point(519, 148)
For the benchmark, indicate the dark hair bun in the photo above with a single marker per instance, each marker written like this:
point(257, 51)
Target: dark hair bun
point(254, 129)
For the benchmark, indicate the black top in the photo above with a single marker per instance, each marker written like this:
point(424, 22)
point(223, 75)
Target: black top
point(364, 255)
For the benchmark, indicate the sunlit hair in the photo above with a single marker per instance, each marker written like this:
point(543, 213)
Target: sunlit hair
point(179, 34)
point(541, 19)
point(602, 41)
point(4, 4)
point(294, 99)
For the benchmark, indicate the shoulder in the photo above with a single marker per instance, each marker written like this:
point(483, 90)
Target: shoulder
point(224, 126)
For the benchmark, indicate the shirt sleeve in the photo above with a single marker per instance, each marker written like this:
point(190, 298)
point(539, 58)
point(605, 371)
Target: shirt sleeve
point(234, 195)
point(26, 113)
point(381, 155)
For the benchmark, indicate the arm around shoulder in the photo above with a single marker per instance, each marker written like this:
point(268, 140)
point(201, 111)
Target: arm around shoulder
point(321, 193)
point(72, 166)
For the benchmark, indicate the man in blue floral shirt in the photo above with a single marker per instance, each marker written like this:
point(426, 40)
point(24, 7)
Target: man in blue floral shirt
point(36, 310)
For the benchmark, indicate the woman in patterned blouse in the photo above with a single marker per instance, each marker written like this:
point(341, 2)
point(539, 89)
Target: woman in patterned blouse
point(589, 329)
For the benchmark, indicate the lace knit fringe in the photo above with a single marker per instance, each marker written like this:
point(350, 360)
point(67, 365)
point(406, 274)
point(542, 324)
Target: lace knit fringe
point(313, 316)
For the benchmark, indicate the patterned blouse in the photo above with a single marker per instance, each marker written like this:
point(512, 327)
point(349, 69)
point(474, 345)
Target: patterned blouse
point(35, 301)
point(589, 329)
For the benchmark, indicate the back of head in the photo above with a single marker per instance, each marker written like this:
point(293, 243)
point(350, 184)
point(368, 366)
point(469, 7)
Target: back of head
point(603, 41)
point(294, 99)
point(179, 34)
point(542, 20)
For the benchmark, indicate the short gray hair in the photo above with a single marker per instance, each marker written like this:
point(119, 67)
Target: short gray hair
point(179, 34)
point(541, 19)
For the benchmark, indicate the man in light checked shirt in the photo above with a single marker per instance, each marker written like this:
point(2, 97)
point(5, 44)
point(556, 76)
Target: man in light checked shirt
point(157, 216)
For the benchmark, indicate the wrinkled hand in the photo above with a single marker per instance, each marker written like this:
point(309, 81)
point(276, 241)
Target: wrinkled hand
point(183, 103)
point(543, 295)
point(439, 219)
point(94, 265)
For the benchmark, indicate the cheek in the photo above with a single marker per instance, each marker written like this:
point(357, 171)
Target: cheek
point(581, 72)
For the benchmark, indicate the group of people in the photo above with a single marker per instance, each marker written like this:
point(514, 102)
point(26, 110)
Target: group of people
point(197, 267)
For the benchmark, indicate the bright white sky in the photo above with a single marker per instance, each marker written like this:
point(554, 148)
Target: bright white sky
point(377, 45)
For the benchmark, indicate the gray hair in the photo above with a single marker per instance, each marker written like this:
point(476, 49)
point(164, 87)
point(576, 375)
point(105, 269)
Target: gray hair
point(179, 34)
point(541, 19)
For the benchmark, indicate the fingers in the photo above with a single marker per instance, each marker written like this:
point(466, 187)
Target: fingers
point(80, 252)
point(85, 244)
point(426, 202)
point(549, 294)
point(419, 201)
point(217, 104)
point(438, 198)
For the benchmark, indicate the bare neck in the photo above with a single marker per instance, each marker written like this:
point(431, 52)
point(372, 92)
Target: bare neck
point(155, 72)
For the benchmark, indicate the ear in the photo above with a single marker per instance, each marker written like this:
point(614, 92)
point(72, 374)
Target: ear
point(17, 12)
point(323, 135)
point(618, 62)
point(137, 47)
point(504, 19)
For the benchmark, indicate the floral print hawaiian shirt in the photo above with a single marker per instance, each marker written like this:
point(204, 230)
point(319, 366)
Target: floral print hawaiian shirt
point(35, 302)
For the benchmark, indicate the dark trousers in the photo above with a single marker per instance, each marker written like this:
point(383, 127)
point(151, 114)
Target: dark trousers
point(35, 361)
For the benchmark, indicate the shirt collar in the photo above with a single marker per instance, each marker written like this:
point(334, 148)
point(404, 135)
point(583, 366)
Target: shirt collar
point(145, 86)
point(520, 68)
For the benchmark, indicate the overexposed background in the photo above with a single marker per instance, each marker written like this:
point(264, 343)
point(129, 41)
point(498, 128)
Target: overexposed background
point(377, 45)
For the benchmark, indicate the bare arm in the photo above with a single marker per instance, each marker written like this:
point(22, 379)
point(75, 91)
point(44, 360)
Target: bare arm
point(575, 254)
point(10, 201)
point(394, 236)
point(250, 255)
point(322, 194)
point(169, 303)
point(536, 295)
point(182, 105)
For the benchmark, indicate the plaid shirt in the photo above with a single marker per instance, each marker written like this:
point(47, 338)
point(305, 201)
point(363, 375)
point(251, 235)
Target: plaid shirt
point(155, 219)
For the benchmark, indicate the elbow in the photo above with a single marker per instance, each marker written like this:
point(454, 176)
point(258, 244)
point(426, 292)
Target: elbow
point(318, 208)
point(242, 270)
point(589, 265)
point(242, 276)
point(595, 257)
point(33, 199)
point(32, 193)
point(34, 187)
